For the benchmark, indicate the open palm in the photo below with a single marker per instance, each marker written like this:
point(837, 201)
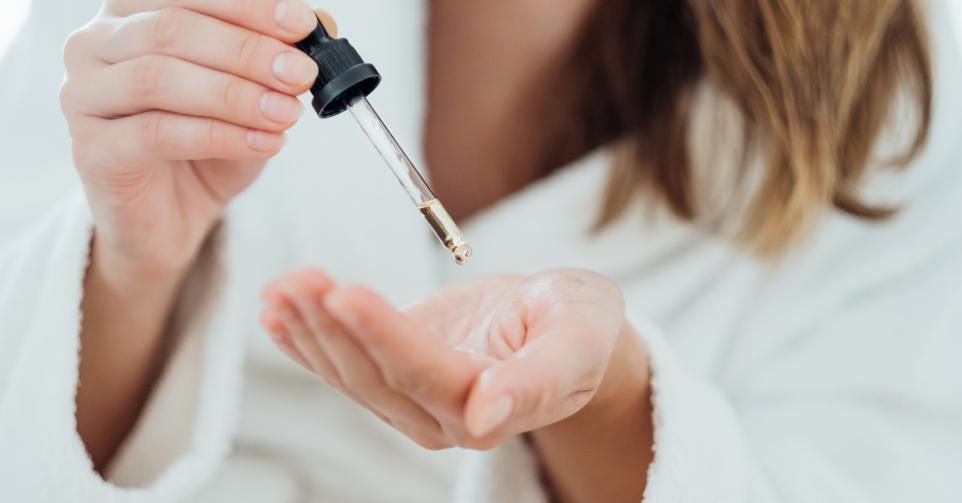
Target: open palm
point(469, 365)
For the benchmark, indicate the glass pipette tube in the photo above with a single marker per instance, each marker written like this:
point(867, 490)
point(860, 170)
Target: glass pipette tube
point(410, 178)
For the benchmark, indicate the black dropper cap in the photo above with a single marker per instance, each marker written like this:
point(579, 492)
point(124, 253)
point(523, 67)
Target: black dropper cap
point(343, 74)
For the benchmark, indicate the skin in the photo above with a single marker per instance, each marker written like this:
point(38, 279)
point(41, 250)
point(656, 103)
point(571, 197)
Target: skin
point(479, 362)
point(160, 160)
point(501, 148)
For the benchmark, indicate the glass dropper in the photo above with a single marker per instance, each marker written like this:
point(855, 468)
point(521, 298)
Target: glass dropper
point(410, 178)
point(343, 82)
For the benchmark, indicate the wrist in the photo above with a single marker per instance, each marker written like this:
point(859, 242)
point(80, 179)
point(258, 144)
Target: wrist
point(624, 390)
point(602, 452)
point(135, 277)
point(627, 378)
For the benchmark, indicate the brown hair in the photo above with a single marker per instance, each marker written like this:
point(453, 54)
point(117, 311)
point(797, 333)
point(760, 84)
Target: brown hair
point(813, 81)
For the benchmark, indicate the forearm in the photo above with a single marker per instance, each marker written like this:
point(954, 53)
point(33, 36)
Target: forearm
point(602, 453)
point(125, 312)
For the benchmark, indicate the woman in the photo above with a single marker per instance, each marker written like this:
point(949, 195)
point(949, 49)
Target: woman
point(727, 297)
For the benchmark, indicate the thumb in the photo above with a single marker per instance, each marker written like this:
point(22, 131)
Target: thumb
point(327, 21)
point(544, 382)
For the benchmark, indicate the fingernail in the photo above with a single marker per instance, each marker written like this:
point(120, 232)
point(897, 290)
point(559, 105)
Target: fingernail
point(261, 141)
point(295, 16)
point(276, 335)
point(272, 324)
point(494, 417)
point(294, 69)
point(280, 108)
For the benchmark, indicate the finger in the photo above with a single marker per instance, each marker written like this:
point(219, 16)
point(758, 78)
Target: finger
point(212, 43)
point(549, 379)
point(434, 376)
point(271, 321)
point(359, 375)
point(177, 86)
point(330, 25)
point(572, 321)
point(301, 338)
point(163, 136)
point(286, 20)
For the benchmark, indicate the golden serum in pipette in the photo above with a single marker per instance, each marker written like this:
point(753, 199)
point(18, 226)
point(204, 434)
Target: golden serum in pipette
point(446, 230)
point(343, 83)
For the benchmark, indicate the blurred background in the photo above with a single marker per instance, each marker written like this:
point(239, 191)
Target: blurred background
point(35, 161)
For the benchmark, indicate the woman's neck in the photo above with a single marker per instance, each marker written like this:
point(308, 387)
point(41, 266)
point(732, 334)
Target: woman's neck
point(491, 66)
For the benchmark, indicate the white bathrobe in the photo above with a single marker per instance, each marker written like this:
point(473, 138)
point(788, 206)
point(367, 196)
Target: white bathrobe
point(832, 376)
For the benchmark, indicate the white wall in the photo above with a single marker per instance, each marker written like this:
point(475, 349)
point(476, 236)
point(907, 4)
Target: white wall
point(35, 164)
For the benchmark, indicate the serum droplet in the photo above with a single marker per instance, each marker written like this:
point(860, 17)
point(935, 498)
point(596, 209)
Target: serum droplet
point(462, 253)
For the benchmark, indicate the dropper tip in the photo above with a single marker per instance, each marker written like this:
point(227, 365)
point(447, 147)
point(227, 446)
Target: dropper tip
point(462, 252)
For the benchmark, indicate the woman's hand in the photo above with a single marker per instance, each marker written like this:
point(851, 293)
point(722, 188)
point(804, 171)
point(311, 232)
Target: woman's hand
point(173, 107)
point(472, 364)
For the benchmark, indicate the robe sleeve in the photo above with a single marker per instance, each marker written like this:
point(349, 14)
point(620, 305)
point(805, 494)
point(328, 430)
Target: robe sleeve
point(184, 430)
point(860, 404)
point(865, 407)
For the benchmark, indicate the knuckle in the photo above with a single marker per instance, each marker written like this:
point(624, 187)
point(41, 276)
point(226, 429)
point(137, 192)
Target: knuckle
point(146, 76)
point(395, 381)
point(77, 44)
point(72, 47)
point(167, 26)
point(360, 384)
point(67, 96)
point(152, 131)
point(247, 48)
point(232, 93)
point(249, 9)
point(214, 139)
